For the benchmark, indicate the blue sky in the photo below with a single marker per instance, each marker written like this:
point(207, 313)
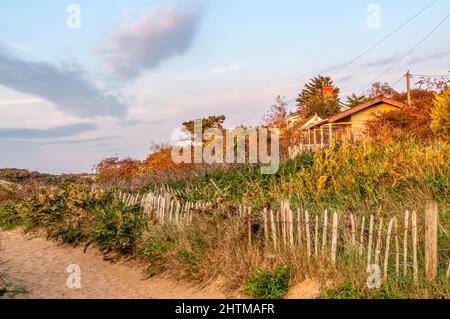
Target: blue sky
point(136, 69)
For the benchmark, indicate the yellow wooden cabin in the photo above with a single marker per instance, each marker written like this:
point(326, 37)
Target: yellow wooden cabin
point(347, 125)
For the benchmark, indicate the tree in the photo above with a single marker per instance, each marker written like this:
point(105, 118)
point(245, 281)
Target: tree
point(207, 123)
point(355, 100)
point(113, 167)
point(278, 114)
point(311, 100)
point(440, 115)
point(277, 117)
point(379, 89)
point(439, 84)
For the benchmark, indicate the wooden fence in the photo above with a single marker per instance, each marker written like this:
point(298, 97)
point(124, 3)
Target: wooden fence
point(397, 245)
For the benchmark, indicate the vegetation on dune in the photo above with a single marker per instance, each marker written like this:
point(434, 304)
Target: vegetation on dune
point(403, 164)
point(389, 174)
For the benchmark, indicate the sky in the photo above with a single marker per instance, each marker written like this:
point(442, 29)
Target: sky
point(85, 80)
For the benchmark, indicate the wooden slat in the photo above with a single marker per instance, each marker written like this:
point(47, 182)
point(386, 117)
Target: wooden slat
point(370, 243)
point(308, 236)
point(334, 238)
point(414, 243)
point(324, 231)
point(431, 234)
point(405, 243)
point(386, 253)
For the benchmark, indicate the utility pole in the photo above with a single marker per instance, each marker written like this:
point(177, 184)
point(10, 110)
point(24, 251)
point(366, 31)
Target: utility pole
point(408, 87)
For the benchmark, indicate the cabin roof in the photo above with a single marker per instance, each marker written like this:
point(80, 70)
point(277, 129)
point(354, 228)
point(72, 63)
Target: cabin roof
point(359, 108)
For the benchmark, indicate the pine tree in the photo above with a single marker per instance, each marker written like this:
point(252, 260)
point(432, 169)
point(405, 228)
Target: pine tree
point(311, 101)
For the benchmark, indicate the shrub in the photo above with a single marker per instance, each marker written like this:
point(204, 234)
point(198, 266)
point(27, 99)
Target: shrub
point(118, 228)
point(266, 284)
point(441, 115)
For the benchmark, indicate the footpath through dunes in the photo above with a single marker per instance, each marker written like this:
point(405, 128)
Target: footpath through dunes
point(39, 266)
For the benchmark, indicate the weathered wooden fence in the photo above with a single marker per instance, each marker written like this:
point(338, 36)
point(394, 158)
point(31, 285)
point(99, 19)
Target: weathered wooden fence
point(164, 208)
point(397, 245)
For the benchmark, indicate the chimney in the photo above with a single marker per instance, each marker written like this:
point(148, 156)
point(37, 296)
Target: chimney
point(328, 91)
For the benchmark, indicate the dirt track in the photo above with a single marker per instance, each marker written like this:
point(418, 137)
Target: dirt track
point(40, 267)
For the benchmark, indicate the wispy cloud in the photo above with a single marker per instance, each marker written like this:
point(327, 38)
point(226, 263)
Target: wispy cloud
point(381, 62)
point(82, 141)
point(55, 132)
point(163, 33)
point(66, 87)
point(430, 57)
point(20, 101)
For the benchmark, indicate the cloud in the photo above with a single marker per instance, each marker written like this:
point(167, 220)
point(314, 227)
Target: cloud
point(66, 87)
point(381, 62)
point(430, 57)
point(163, 33)
point(55, 132)
point(82, 141)
point(20, 101)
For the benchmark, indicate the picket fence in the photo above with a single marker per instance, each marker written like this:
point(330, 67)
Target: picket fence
point(401, 246)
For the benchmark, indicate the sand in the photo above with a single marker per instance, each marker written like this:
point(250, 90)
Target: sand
point(40, 267)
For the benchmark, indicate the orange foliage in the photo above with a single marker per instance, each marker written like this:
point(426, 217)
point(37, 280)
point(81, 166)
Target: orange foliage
point(414, 120)
point(113, 167)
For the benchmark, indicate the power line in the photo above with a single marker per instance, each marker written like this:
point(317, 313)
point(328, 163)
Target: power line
point(431, 76)
point(410, 51)
point(398, 81)
point(384, 39)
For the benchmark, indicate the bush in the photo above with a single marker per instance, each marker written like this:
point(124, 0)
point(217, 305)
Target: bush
point(118, 228)
point(265, 284)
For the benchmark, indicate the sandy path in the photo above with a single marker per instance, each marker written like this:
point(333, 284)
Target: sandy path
point(39, 266)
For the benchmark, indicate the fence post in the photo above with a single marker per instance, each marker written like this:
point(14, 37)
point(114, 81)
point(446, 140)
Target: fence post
point(397, 251)
point(386, 253)
point(316, 237)
point(431, 234)
point(308, 235)
point(405, 244)
point(324, 230)
point(361, 236)
point(249, 226)
point(299, 228)
point(266, 232)
point(370, 243)
point(291, 227)
point(274, 230)
point(334, 237)
point(379, 243)
point(414, 243)
point(352, 222)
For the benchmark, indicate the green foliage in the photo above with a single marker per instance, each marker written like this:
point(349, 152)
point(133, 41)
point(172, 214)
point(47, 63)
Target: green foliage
point(440, 114)
point(207, 123)
point(269, 284)
point(347, 290)
point(354, 100)
point(189, 259)
point(153, 252)
point(311, 101)
point(118, 228)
